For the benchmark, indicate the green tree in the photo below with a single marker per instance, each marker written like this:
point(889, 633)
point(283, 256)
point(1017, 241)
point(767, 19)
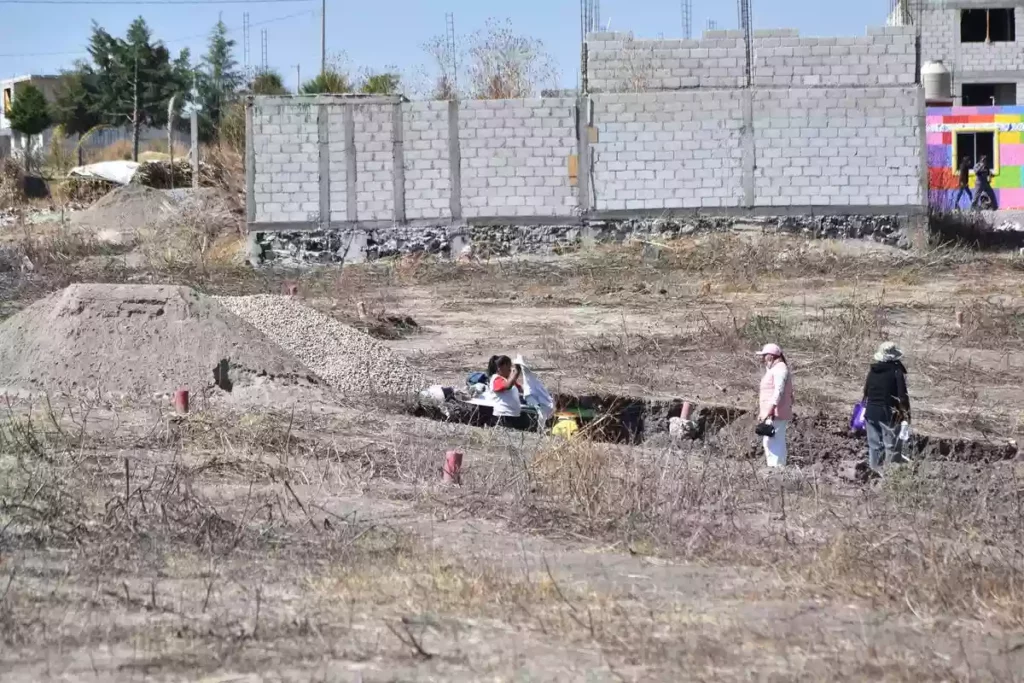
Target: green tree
point(29, 115)
point(135, 78)
point(329, 81)
point(73, 104)
point(219, 83)
point(268, 83)
point(385, 83)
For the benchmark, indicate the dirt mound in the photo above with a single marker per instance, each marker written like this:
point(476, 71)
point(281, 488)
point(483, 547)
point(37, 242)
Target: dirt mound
point(126, 209)
point(137, 340)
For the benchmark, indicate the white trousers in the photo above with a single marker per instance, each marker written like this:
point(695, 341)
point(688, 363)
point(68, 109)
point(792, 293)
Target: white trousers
point(775, 446)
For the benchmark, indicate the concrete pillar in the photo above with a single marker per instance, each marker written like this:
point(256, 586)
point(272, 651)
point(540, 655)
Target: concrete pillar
point(583, 155)
point(250, 167)
point(749, 150)
point(349, 121)
point(324, 151)
point(454, 161)
point(356, 252)
point(922, 113)
point(398, 167)
point(458, 240)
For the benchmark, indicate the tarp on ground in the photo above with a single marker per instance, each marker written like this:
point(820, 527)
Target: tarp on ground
point(118, 172)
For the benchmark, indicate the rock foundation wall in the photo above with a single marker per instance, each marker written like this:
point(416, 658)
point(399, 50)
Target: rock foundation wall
point(303, 248)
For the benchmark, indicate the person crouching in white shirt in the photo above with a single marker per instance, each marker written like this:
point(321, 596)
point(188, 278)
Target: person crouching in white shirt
point(503, 392)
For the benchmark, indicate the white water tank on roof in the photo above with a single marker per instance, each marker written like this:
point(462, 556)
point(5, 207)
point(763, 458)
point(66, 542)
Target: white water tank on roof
point(938, 82)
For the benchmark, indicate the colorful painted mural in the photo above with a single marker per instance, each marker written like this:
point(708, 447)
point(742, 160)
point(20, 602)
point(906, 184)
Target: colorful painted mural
point(972, 132)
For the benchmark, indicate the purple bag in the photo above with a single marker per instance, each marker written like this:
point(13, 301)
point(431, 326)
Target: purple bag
point(857, 423)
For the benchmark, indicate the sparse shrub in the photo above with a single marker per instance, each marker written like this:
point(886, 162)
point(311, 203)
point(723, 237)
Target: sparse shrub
point(189, 239)
point(12, 184)
point(970, 229)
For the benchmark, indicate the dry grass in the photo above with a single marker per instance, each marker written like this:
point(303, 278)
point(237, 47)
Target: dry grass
point(12, 189)
point(923, 542)
point(192, 239)
point(220, 526)
point(225, 527)
point(121, 150)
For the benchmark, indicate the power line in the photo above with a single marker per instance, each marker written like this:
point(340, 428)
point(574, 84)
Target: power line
point(90, 3)
point(183, 39)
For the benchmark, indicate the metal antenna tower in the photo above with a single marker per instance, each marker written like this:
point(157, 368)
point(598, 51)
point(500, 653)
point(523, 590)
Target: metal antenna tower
point(712, 25)
point(263, 50)
point(452, 48)
point(686, 7)
point(747, 26)
point(245, 44)
point(590, 11)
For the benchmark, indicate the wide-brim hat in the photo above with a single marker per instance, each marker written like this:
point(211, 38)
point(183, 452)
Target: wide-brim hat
point(888, 351)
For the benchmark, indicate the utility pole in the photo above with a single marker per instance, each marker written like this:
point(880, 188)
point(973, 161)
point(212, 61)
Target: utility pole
point(135, 109)
point(170, 136)
point(245, 46)
point(323, 36)
point(298, 78)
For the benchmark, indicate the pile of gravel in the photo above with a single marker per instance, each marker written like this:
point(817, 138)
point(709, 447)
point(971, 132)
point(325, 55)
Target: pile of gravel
point(137, 340)
point(344, 357)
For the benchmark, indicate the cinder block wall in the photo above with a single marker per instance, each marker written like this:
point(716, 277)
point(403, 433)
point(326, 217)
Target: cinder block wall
point(285, 178)
point(995, 56)
point(886, 56)
point(515, 157)
point(375, 162)
point(616, 62)
point(992, 62)
point(838, 147)
point(428, 177)
point(827, 124)
point(668, 150)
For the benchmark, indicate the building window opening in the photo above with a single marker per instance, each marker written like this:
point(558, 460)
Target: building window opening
point(974, 146)
point(988, 25)
point(988, 94)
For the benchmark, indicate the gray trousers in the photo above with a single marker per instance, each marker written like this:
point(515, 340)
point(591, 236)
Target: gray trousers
point(884, 445)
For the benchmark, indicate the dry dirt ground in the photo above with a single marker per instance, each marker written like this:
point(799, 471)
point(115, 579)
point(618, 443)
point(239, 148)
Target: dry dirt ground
point(306, 536)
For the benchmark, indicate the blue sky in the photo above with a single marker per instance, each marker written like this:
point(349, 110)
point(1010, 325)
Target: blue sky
point(377, 33)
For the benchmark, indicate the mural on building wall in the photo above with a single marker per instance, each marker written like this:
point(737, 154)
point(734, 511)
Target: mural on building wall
point(973, 132)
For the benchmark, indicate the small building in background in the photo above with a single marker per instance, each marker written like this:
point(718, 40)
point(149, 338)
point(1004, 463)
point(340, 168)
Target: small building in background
point(15, 142)
point(981, 42)
point(955, 133)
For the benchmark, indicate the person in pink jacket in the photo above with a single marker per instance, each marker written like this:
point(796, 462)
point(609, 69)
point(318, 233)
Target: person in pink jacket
point(776, 402)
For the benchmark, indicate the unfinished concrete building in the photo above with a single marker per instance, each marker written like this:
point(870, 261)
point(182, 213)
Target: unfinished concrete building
point(981, 43)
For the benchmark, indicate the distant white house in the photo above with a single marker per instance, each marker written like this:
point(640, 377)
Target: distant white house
point(12, 143)
point(9, 92)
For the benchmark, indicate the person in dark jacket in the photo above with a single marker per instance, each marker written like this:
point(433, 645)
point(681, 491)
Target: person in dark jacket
point(983, 187)
point(965, 183)
point(887, 405)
